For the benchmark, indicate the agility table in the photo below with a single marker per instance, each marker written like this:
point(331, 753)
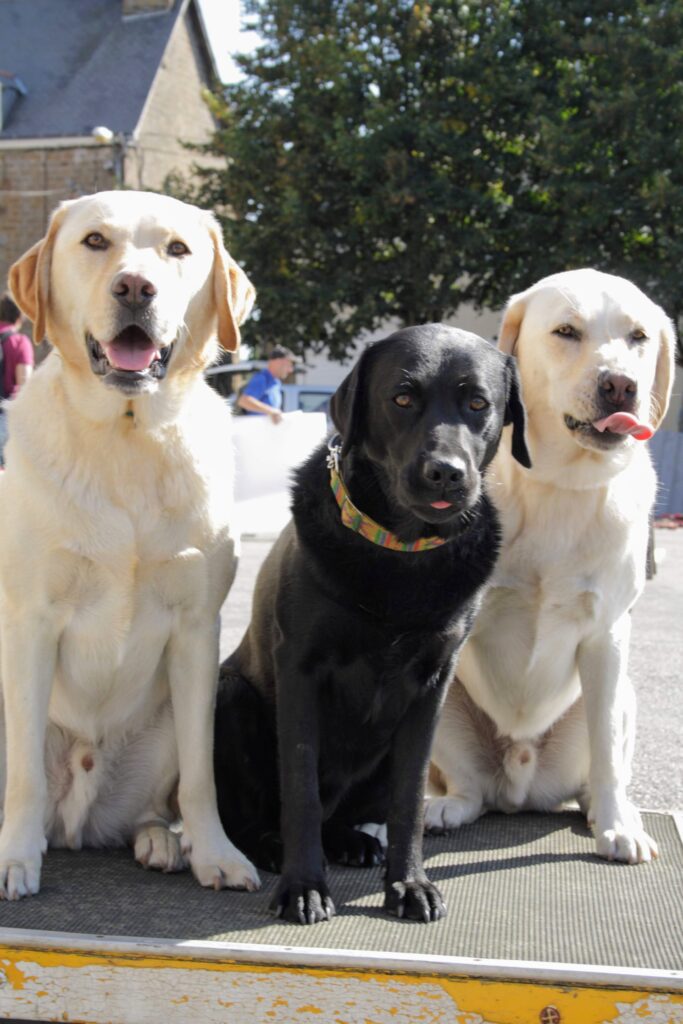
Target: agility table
point(538, 930)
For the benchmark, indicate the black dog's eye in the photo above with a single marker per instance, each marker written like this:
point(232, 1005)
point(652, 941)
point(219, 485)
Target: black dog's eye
point(568, 331)
point(403, 400)
point(177, 249)
point(638, 334)
point(95, 241)
point(478, 404)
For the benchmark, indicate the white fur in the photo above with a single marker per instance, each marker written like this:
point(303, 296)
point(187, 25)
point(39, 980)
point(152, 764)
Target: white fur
point(117, 553)
point(542, 710)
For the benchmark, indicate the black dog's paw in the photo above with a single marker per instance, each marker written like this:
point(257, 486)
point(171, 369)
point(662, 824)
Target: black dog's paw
point(302, 902)
point(269, 852)
point(346, 845)
point(418, 901)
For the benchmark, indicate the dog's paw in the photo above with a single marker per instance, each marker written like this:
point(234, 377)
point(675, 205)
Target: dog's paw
point(221, 866)
point(19, 877)
point(632, 845)
point(373, 828)
point(443, 813)
point(417, 901)
point(302, 902)
point(20, 865)
point(619, 833)
point(158, 848)
point(354, 847)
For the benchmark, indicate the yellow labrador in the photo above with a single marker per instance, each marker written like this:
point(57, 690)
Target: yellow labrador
point(542, 710)
point(117, 551)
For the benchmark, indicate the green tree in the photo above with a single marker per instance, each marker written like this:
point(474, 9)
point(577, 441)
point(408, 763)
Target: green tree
point(393, 159)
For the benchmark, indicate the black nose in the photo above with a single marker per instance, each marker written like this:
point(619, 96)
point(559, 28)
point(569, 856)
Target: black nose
point(442, 473)
point(133, 290)
point(617, 390)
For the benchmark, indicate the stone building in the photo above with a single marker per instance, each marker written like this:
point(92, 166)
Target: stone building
point(94, 94)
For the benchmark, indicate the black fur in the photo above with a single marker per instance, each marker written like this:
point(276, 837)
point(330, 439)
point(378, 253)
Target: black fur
point(351, 646)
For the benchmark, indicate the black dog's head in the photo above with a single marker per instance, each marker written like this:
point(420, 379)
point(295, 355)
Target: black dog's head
point(426, 406)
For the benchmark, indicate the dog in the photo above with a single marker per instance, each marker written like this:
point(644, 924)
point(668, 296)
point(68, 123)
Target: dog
point(118, 550)
point(355, 627)
point(542, 710)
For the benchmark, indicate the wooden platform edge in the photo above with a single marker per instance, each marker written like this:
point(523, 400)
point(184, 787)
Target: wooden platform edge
point(93, 979)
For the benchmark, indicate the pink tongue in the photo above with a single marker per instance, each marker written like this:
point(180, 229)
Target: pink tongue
point(130, 357)
point(441, 504)
point(625, 423)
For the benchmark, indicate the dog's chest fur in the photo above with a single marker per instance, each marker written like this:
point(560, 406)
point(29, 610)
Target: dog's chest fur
point(382, 626)
point(571, 564)
point(144, 541)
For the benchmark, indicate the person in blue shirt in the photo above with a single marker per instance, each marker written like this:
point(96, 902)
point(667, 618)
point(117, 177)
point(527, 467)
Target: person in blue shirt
point(262, 395)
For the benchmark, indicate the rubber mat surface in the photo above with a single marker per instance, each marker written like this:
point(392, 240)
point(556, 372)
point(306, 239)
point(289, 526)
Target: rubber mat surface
point(519, 887)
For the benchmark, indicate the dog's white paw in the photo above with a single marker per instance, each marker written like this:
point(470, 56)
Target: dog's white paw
point(446, 812)
point(21, 856)
point(619, 833)
point(158, 848)
point(377, 831)
point(19, 876)
point(220, 865)
point(632, 845)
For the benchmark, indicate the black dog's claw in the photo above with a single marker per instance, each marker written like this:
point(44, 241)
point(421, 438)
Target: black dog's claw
point(302, 902)
point(417, 901)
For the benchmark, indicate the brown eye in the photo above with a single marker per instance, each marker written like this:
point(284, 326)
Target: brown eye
point(479, 404)
point(638, 334)
point(403, 400)
point(177, 249)
point(95, 241)
point(567, 331)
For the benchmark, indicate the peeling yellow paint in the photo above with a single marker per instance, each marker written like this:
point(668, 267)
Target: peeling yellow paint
point(15, 977)
point(473, 1000)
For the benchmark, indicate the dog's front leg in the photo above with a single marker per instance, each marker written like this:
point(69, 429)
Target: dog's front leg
point(408, 891)
point(302, 894)
point(193, 676)
point(610, 713)
point(29, 653)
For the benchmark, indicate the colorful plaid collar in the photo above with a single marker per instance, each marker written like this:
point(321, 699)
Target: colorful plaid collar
point(362, 524)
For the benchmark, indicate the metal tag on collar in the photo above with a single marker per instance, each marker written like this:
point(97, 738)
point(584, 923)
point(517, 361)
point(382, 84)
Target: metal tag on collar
point(334, 448)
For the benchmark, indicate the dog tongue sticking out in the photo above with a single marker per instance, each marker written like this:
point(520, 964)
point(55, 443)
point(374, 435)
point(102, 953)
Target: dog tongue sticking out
point(132, 349)
point(625, 423)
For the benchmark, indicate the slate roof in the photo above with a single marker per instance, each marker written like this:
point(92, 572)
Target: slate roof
point(82, 63)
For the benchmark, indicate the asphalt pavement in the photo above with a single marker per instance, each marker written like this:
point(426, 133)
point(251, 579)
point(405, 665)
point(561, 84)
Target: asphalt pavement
point(656, 665)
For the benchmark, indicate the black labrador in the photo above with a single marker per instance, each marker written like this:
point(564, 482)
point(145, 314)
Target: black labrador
point(358, 615)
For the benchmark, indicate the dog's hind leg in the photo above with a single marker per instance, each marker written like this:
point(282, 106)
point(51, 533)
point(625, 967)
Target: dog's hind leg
point(133, 804)
point(348, 836)
point(245, 765)
point(463, 771)
point(563, 762)
point(153, 756)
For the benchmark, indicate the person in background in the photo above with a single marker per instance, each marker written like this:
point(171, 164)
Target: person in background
point(17, 360)
point(262, 395)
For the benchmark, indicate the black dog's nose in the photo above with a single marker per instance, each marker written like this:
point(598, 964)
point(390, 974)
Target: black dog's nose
point(133, 290)
point(441, 473)
point(617, 389)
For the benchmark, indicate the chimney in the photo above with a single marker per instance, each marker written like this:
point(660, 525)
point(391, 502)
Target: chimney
point(131, 7)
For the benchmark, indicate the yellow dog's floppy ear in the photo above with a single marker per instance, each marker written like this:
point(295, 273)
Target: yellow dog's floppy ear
point(29, 277)
point(512, 321)
point(664, 374)
point(234, 293)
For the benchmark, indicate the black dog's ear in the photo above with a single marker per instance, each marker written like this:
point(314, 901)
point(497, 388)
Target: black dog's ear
point(514, 413)
point(347, 405)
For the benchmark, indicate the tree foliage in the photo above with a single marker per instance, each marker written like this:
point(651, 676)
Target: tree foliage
point(393, 159)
